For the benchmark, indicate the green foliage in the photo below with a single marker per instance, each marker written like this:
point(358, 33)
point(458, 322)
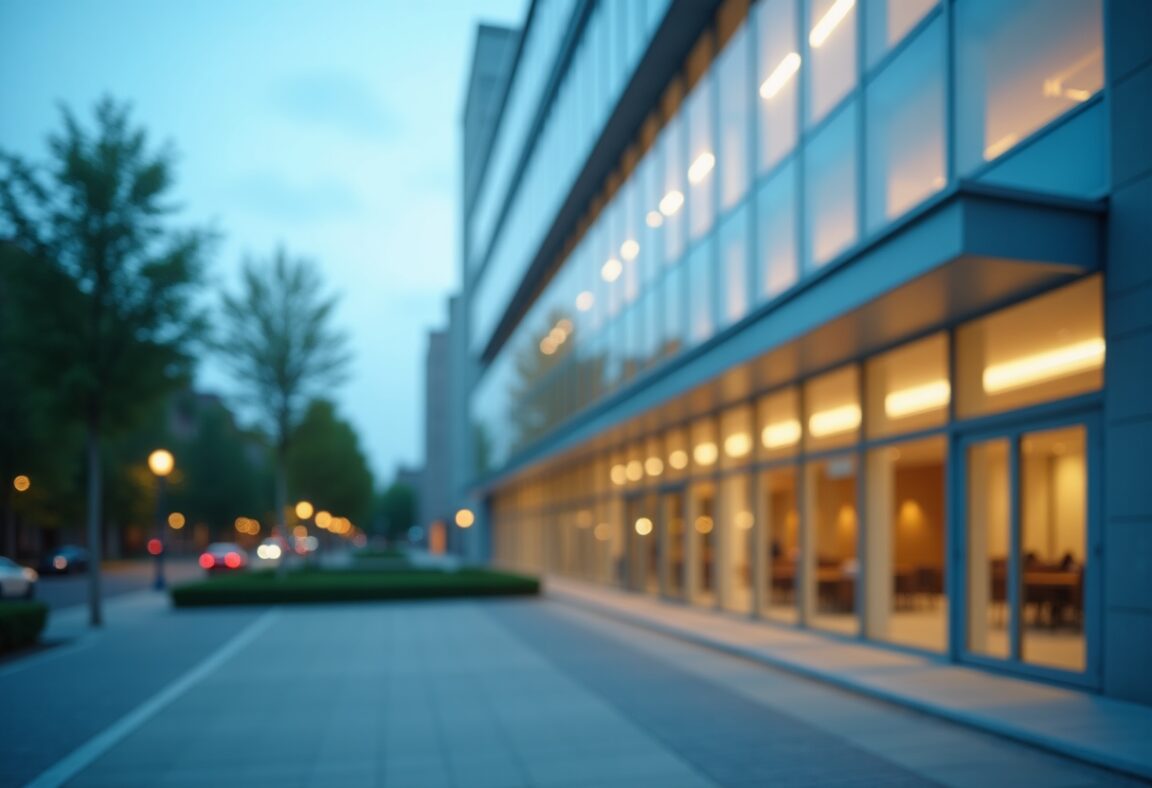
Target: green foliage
point(279, 342)
point(397, 510)
point(21, 624)
point(326, 466)
point(105, 288)
point(265, 588)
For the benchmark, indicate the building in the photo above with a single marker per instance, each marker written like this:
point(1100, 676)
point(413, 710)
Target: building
point(837, 314)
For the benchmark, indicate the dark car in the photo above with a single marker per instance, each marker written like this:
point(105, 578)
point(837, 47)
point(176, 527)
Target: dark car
point(65, 560)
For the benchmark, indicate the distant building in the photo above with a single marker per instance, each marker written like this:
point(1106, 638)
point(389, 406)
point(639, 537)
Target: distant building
point(798, 309)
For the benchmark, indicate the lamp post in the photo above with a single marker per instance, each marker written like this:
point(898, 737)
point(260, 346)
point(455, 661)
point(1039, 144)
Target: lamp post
point(160, 462)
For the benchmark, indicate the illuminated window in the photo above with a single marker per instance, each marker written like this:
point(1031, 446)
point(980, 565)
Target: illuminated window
point(732, 85)
point(1044, 349)
point(778, 419)
point(832, 54)
point(705, 450)
point(1020, 66)
point(905, 112)
point(832, 402)
point(738, 443)
point(886, 22)
point(830, 194)
point(701, 292)
point(701, 160)
point(776, 232)
point(777, 74)
point(832, 523)
point(734, 272)
point(908, 388)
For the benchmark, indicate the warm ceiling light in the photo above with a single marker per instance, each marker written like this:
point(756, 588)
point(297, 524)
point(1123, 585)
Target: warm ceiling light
point(557, 335)
point(737, 444)
point(176, 521)
point(643, 526)
point(654, 219)
point(619, 474)
point(704, 524)
point(671, 202)
point(917, 399)
point(465, 518)
point(634, 471)
point(161, 463)
point(565, 325)
point(1000, 146)
point(834, 421)
point(1068, 360)
point(611, 270)
point(701, 167)
point(304, 510)
point(585, 300)
point(705, 453)
point(547, 346)
point(833, 17)
point(602, 532)
point(744, 520)
point(323, 518)
point(780, 434)
point(654, 466)
point(780, 75)
point(21, 483)
point(678, 459)
point(629, 249)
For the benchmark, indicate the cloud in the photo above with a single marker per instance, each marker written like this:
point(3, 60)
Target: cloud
point(340, 102)
point(271, 196)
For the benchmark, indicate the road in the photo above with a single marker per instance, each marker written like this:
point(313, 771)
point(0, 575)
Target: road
point(119, 577)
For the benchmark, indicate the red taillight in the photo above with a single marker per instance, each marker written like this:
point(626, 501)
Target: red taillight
point(155, 546)
point(232, 560)
point(207, 561)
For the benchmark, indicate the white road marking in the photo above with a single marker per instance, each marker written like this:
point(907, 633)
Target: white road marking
point(71, 765)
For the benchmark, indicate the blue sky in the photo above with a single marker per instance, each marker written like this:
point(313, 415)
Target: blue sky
point(329, 127)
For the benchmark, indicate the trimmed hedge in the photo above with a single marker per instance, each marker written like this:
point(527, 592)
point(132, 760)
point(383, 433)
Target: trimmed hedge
point(21, 624)
point(374, 552)
point(307, 586)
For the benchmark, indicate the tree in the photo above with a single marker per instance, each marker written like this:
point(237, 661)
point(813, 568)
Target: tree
point(109, 294)
point(326, 466)
point(279, 343)
point(397, 507)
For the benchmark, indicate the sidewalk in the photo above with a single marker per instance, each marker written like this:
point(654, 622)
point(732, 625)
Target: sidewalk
point(1098, 730)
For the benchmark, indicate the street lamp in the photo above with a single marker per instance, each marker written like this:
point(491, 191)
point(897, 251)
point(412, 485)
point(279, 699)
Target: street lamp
point(21, 483)
point(160, 462)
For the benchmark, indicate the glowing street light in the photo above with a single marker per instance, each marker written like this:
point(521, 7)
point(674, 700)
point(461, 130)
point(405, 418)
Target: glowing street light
point(304, 510)
point(160, 462)
point(465, 518)
point(21, 483)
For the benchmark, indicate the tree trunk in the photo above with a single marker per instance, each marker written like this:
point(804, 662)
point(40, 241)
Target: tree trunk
point(282, 505)
point(95, 541)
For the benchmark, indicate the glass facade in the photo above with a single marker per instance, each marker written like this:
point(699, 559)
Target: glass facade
point(826, 504)
point(933, 494)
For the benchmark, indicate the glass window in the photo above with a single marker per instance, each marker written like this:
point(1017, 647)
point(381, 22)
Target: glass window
point(732, 84)
point(989, 525)
point(776, 72)
point(781, 522)
point(832, 566)
point(778, 416)
point(650, 175)
point(734, 271)
point(702, 545)
point(832, 402)
point(654, 458)
point(1021, 65)
point(905, 544)
point(701, 292)
point(671, 203)
point(905, 114)
point(1044, 349)
point(678, 452)
point(831, 55)
point(886, 22)
point(705, 451)
point(830, 189)
point(1053, 543)
point(674, 323)
point(736, 430)
point(701, 159)
point(776, 232)
point(908, 388)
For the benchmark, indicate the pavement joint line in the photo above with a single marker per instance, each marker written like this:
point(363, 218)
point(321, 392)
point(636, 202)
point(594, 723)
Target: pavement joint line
point(72, 764)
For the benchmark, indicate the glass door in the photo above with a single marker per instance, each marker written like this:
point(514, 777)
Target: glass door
point(672, 537)
point(642, 544)
point(1028, 518)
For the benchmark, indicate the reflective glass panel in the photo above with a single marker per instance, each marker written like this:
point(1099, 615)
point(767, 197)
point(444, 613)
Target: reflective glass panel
point(777, 72)
point(832, 566)
point(908, 388)
point(732, 74)
point(776, 234)
point(830, 189)
point(735, 274)
point(886, 23)
point(831, 54)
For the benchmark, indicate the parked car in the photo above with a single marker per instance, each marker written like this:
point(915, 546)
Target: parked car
point(223, 557)
point(16, 581)
point(65, 560)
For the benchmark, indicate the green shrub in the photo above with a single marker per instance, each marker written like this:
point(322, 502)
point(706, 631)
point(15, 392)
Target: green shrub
point(265, 588)
point(21, 624)
point(374, 552)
